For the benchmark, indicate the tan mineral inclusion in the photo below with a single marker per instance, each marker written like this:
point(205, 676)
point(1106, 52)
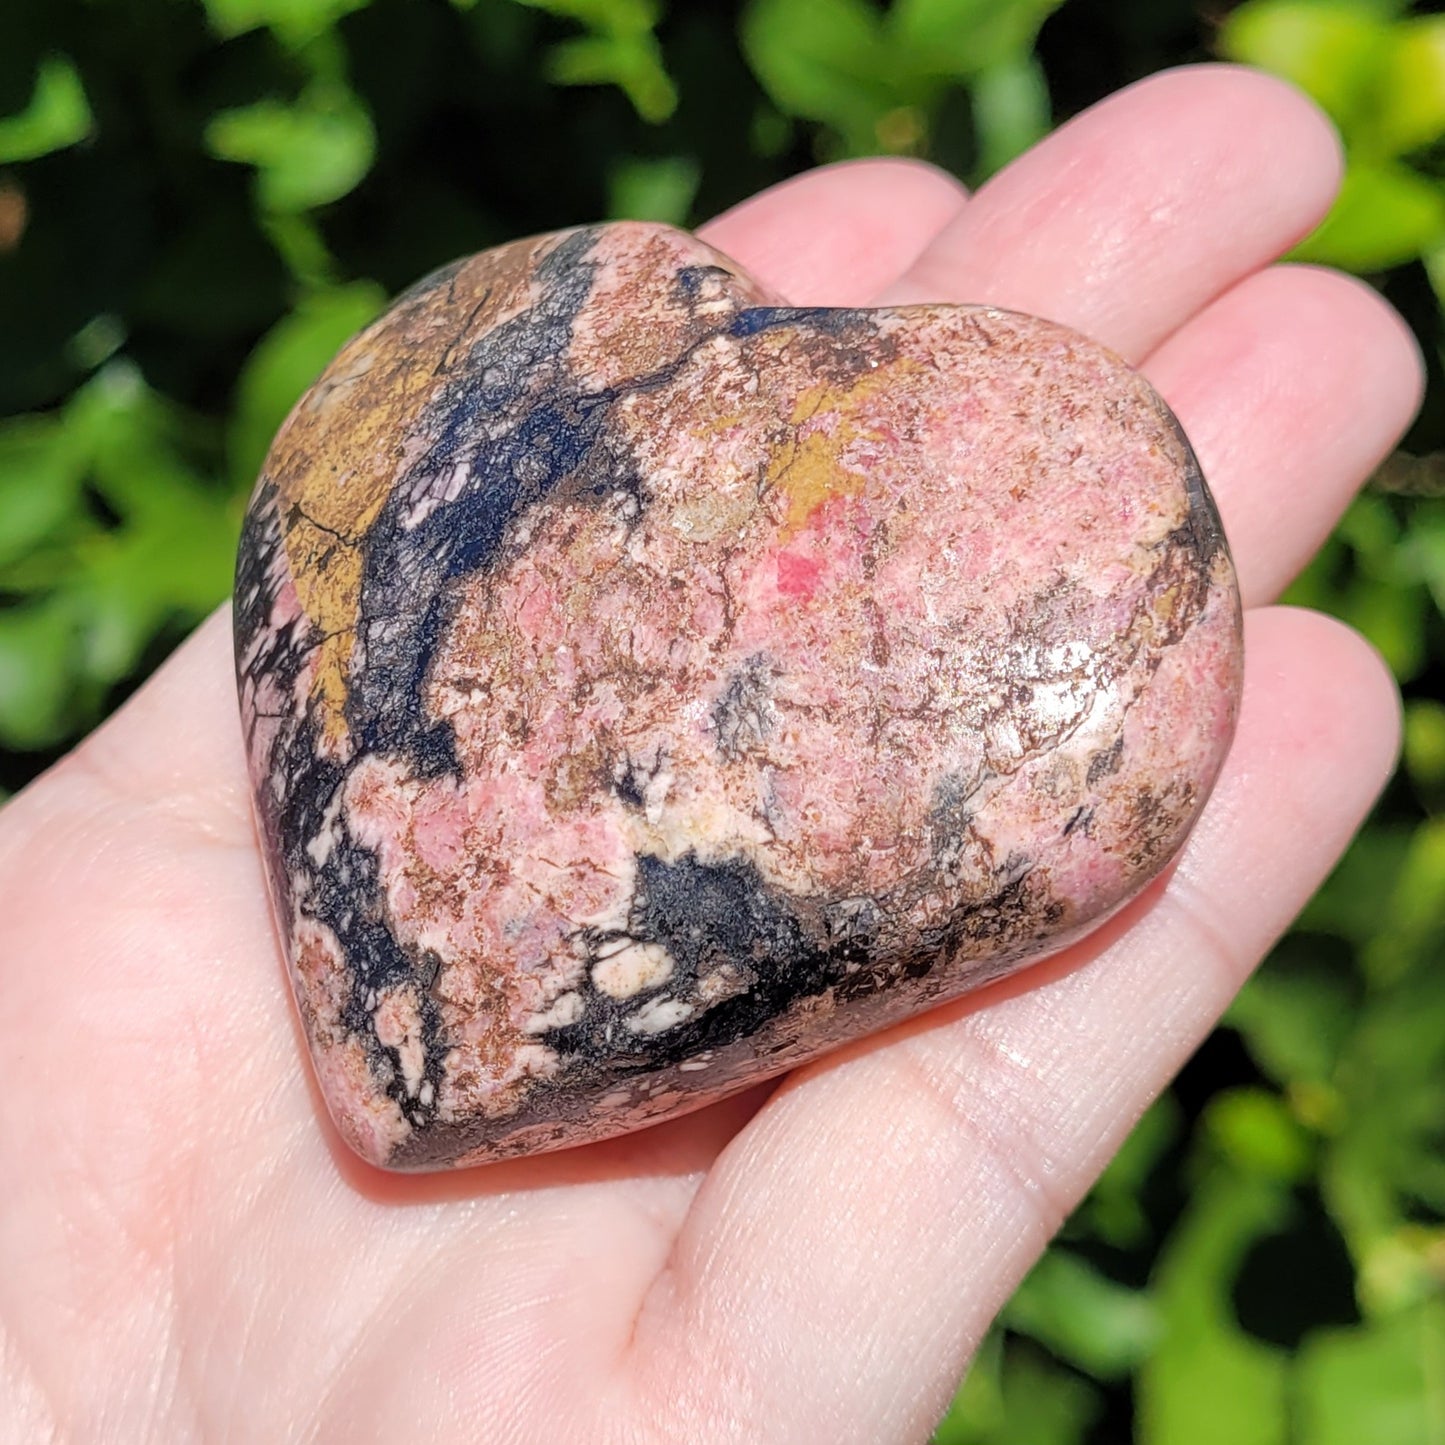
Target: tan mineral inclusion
point(649, 686)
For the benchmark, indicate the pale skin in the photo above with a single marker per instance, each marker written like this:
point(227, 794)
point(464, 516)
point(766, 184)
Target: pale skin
point(187, 1251)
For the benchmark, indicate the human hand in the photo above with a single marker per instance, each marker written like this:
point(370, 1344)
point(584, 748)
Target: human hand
point(187, 1251)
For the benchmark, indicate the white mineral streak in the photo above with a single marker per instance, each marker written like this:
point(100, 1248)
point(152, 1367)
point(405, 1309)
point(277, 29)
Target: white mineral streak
point(566, 1010)
point(626, 968)
point(659, 1014)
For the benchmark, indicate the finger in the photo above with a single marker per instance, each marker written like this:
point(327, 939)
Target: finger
point(1133, 216)
point(865, 1228)
point(839, 235)
point(1292, 386)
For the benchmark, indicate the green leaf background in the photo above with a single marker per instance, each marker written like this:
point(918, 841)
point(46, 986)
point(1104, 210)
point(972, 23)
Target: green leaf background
point(200, 199)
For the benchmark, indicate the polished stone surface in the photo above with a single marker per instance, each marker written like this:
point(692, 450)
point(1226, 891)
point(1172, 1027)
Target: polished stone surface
point(649, 686)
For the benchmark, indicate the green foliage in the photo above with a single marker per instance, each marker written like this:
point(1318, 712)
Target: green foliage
point(295, 23)
point(1210, 1381)
point(1380, 75)
point(878, 80)
point(57, 116)
point(1099, 1326)
point(619, 49)
point(653, 189)
point(307, 153)
point(1018, 1395)
point(1376, 1383)
point(1265, 1259)
point(113, 531)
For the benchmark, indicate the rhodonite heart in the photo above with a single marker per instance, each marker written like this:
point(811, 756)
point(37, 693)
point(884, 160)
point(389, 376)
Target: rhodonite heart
point(648, 685)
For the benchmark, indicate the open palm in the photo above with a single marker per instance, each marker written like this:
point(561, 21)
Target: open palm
point(187, 1251)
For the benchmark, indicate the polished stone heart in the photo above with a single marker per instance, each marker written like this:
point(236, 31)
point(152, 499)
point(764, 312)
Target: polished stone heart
point(649, 686)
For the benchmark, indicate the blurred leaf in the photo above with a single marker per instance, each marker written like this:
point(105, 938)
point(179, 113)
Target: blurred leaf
point(1015, 1394)
point(36, 642)
point(1371, 527)
point(771, 132)
point(1332, 51)
point(302, 249)
point(1101, 1327)
point(820, 59)
point(1393, 618)
point(1348, 905)
point(102, 591)
point(287, 360)
point(177, 562)
point(633, 63)
point(1411, 107)
point(306, 154)
point(621, 49)
point(616, 17)
point(1114, 1210)
point(1383, 1169)
point(1385, 598)
point(1011, 110)
point(1385, 215)
point(1414, 919)
point(58, 115)
point(1422, 551)
point(977, 1412)
point(1383, 1382)
point(1045, 1405)
point(964, 38)
point(96, 342)
point(1252, 1128)
point(1425, 742)
point(1208, 1382)
point(877, 77)
point(296, 22)
point(1317, 586)
point(1434, 262)
point(40, 479)
point(1296, 1012)
point(660, 189)
point(1403, 1269)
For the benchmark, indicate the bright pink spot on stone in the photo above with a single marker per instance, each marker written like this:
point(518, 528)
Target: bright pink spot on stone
point(798, 576)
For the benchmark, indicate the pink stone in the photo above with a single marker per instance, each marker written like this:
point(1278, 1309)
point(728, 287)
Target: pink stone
point(649, 686)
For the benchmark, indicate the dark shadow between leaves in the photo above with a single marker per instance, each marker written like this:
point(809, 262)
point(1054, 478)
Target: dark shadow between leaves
point(1297, 1280)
